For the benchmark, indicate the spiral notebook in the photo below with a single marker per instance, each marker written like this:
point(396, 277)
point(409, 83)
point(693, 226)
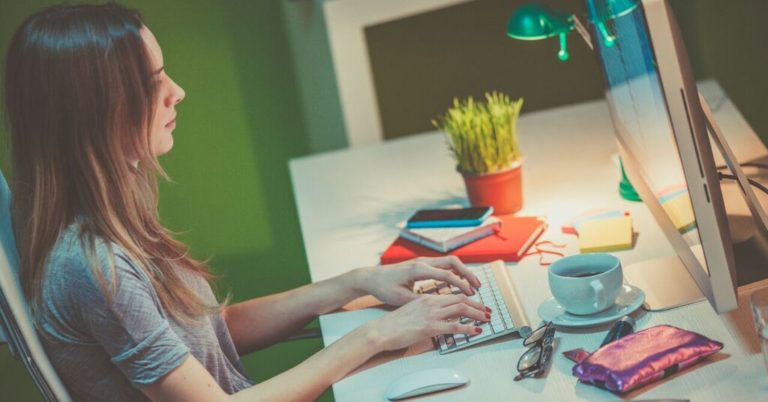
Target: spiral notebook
point(509, 243)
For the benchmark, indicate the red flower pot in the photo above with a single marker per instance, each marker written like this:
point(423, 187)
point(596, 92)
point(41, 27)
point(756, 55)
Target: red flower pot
point(502, 190)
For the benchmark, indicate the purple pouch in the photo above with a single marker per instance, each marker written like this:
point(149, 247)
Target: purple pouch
point(643, 357)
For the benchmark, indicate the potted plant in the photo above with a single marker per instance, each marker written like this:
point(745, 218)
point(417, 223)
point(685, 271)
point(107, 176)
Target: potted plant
point(482, 137)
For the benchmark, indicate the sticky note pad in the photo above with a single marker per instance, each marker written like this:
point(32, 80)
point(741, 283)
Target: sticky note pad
point(603, 235)
point(680, 211)
point(591, 215)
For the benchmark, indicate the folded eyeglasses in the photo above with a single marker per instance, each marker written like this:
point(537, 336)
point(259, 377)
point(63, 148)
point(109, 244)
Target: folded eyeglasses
point(536, 359)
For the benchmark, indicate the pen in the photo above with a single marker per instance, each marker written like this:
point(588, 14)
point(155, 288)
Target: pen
point(620, 329)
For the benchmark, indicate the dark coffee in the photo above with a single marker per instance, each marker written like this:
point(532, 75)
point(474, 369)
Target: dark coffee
point(583, 274)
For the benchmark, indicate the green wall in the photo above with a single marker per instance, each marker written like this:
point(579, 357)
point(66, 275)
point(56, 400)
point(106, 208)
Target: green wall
point(241, 121)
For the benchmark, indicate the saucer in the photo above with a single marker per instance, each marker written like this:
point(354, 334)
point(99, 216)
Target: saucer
point(630, 298)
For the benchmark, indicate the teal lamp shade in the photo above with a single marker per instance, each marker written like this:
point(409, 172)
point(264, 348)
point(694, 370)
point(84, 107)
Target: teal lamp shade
point(609, 9)
point(605, 10)
point(535, 22)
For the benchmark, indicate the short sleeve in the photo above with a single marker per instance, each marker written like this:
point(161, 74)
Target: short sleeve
point(132, 326)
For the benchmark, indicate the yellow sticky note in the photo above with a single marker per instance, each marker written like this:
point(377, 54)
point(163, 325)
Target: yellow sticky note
point(603, 235)
point(680, 211)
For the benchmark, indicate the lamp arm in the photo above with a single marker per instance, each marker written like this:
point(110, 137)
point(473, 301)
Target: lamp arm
point(582, 31)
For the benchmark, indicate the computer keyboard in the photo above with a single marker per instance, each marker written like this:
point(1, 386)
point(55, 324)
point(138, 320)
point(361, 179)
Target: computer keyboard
point(496, 292)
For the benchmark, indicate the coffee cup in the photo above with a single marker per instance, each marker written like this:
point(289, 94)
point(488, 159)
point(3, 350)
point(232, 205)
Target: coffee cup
point(586, 283)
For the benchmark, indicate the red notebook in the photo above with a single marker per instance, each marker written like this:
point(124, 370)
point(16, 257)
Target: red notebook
point(515, 237)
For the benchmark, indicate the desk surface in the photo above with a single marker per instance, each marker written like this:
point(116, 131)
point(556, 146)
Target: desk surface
point(350, 201)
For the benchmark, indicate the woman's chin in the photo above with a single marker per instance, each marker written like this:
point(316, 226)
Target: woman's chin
point(164, 146)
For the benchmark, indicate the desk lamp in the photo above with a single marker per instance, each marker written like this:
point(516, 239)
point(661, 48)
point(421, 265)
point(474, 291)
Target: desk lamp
point(534, 21)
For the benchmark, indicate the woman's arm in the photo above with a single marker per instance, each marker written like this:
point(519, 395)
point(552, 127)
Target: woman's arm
point(192, 382)
point(261, 322)
point(422, 318)
point(257, 323)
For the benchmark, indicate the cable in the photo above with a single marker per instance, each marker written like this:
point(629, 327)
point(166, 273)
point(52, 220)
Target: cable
point(752, 182)
point(746, 164)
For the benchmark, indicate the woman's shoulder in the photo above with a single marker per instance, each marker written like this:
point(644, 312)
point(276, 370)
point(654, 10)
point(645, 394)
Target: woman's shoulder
point(72, 289)
point(74, 258)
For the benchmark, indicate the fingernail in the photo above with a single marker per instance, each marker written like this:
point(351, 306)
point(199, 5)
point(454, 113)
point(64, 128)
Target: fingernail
point(478, 330)
point(488, 309)
point(488, 315)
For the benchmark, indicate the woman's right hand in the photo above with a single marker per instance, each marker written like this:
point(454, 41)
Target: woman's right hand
point(426, 317)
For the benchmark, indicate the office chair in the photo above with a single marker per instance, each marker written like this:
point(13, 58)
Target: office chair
point(16, 323)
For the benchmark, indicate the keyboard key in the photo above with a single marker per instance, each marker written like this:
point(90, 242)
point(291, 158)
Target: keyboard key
point(441, 340)
point(449, 340)
point(507, 320)
point(461, 339)
point(428, 287)
point(474, 338)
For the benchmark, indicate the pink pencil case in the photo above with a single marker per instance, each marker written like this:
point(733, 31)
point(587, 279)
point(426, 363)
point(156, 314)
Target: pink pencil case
point(643, 357)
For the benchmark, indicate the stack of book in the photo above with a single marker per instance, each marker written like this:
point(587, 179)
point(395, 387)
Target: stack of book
point(497, 237)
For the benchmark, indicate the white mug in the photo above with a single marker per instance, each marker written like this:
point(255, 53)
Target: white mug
point(586, 283)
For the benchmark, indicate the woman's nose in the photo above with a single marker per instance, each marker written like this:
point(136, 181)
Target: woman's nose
point(180, 94)
point(176, 95)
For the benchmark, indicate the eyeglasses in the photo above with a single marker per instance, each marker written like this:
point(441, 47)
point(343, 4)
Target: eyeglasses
point(544, 248)
point(536, 359)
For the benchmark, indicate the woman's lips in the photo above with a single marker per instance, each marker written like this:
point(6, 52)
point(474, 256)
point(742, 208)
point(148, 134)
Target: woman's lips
point(171, 124)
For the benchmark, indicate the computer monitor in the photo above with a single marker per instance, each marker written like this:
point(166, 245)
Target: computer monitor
point(662, 134)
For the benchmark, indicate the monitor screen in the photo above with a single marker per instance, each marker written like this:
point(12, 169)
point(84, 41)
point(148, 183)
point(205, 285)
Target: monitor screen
point(661, 129)
point(640, 109)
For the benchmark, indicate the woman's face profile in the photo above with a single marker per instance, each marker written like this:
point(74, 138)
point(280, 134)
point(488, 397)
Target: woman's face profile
point(168, 94)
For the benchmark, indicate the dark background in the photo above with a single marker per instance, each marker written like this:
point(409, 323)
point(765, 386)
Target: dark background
point(422, 62)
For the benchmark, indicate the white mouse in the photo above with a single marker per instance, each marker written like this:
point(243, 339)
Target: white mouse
point(424, 382)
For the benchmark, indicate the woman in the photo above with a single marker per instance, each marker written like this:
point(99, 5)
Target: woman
point(124, 312)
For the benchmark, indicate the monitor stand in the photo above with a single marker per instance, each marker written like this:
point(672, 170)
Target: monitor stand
point(666, 281)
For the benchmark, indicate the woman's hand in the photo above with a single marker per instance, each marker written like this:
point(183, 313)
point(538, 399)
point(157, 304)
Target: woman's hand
point(425, 317)
point(393, 284)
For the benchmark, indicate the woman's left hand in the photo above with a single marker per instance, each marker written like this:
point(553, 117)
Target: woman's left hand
point(393, 284)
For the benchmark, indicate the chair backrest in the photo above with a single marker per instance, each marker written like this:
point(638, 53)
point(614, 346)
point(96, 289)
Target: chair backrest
point(15, 317)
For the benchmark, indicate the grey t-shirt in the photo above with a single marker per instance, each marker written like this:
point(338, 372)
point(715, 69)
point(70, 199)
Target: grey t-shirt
point(103, 351)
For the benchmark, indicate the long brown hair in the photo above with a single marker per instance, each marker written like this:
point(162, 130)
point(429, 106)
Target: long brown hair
point(79, 99)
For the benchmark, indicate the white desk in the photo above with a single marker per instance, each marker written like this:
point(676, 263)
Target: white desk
point(350, 201)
